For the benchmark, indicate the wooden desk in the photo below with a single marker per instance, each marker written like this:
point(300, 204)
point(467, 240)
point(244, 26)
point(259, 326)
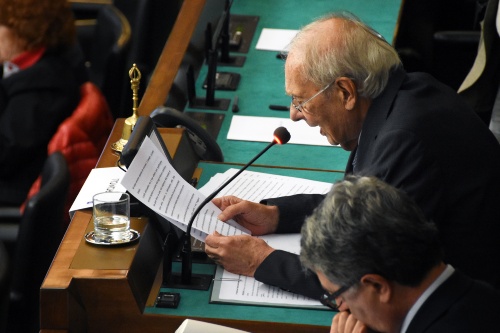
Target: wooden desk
point(107, 289)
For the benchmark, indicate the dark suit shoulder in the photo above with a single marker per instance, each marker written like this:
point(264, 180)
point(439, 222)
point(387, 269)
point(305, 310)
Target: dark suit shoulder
point(459, 305)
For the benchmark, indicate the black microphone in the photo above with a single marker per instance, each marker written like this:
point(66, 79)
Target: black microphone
point(281, 136)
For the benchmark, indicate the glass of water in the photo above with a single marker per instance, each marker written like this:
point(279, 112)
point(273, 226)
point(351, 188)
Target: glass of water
point(112, 217)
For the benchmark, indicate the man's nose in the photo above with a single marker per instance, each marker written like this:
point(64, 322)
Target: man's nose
point(294, 114)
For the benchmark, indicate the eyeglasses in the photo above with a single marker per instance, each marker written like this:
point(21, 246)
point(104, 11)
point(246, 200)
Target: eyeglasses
point(300, 107)
point(329, 299)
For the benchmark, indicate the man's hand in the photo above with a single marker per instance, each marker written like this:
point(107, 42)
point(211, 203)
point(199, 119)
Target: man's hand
point(345, 322)
point(258, 218)
point(237, 254)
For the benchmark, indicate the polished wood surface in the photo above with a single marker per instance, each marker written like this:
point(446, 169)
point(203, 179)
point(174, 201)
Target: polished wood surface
point(106, 289)
point(109, 158)
point(88, 288)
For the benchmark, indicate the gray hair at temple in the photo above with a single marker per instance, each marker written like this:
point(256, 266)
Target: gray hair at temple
point(365, 226)
point(359, 53)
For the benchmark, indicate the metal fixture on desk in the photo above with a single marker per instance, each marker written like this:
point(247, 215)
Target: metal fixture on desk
point(128, 126)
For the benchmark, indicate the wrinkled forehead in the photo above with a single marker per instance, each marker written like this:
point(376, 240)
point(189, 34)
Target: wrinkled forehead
point(293, 73)
point(294, 61)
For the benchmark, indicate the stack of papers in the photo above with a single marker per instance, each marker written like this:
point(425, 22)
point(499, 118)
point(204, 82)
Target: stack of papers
point(153, 180)
point(255, 186)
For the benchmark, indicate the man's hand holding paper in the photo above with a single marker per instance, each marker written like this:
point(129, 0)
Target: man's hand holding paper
point(154, 181)
point(233, 252)
point(240, 254)
point(259, 219)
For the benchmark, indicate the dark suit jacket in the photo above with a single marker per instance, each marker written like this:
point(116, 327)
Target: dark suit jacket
point(33, 102)
point(418, 136)
point(459, 305)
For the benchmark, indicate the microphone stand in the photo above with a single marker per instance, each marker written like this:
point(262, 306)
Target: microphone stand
point(202, 281)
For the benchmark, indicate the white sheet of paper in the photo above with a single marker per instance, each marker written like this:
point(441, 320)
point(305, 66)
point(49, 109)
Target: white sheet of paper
point(154, 181)
point(275, 39)
point(252, 128)
point(196, 326)
point(255, 186)
point(99, 180)
point(247, 289)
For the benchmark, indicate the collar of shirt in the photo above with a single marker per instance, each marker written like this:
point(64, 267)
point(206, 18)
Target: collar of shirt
point(22, 61)
point(414, 309)
point(9, 68)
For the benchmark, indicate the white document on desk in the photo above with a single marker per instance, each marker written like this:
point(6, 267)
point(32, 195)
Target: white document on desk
point(197, 326)
point(275, 39)
point(255, 186)
point(99, 180)
point(240, 289)
point(153, 180)
point(252, 128)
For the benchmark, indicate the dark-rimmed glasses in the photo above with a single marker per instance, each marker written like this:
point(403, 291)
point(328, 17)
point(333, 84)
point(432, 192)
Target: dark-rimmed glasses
point(300, 107)
point(329, 299)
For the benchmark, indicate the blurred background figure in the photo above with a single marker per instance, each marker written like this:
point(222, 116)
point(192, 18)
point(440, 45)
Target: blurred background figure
point(42, 71)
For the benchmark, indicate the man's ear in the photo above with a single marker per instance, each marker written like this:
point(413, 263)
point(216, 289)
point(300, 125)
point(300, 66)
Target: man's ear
point(379, 286)
point(348, 91)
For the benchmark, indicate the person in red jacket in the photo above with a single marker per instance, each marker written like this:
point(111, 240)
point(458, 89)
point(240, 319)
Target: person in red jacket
point(39, 87)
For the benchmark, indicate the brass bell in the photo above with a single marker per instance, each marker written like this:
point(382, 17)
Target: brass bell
point(128, 126)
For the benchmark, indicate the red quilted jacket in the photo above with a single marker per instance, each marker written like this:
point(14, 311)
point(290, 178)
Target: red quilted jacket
point(81, 139)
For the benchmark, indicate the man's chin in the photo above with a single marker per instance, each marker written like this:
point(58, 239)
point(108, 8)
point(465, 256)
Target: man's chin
point(332, 142)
